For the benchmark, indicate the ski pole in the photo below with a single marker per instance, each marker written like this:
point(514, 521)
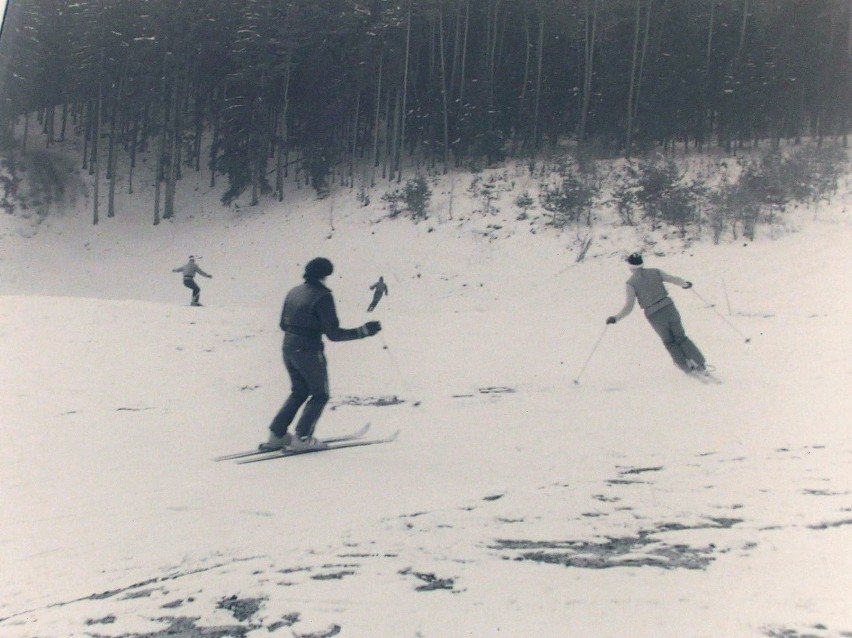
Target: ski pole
point(721, 316)
point(591, 354)
point(396, 367)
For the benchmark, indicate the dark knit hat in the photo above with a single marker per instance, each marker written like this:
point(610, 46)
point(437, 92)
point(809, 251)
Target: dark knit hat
point(635, 259)
point(318, 268)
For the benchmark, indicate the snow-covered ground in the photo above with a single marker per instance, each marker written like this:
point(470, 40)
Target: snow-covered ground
point(515, 502)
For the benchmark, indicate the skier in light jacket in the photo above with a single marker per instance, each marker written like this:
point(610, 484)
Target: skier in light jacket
point(189, 270)
point(308, 314)
point(646, 285)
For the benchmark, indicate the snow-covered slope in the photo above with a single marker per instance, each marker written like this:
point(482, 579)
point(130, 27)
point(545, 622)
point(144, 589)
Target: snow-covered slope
point(515, 502)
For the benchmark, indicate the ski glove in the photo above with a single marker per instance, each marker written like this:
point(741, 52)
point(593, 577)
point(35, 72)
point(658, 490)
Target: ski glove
point(610, 320)
point(369, 329)
point(688, 284)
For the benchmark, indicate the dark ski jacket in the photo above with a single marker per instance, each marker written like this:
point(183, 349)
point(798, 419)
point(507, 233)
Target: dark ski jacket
point(309, 313)
point(380, 288)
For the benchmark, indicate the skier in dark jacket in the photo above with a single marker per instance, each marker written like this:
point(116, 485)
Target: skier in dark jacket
point(189, 270)
point(308, 314)
point(380, 288)
point(645, 285)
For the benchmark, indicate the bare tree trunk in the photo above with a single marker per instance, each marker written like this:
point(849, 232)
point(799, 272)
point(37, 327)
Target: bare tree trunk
point(134, 134)
point(64, 120)
point(255, 152)
point(376, 121)
point(146, 122)
point(464, 52)
point(444, 91)
point(280, 151)
point(848, 83)
point(491, 52)
point(283, 132)
point(536, 132)
point(180, 109)
point(401, 144)
point(48, 125)
point(161, 151)
point(395, 152)
point(86, 115)
point(527, 47)
point(26, 133)
point(727, 124)
point(96, 127)
point(174, 154)
point(643, 59)
point(199, 131)
point(456, 55)
point(111, 155)
point(589, 56)
point(628, 143)
point(214, 108)
point(743, 29)
point(93, 166)
point(388, 143)
point(705, 84)
point(354, 140)
point(522, 105)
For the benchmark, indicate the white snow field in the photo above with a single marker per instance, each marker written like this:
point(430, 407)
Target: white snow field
point(635, 503)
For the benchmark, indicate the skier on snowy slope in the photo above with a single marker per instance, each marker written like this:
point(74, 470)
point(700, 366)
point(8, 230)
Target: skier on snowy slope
point(646, 286)
point(308, 314)
point(380, 288)
point(189, 270)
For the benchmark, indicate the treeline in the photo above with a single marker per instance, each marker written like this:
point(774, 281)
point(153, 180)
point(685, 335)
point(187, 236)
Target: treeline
point(258, 90)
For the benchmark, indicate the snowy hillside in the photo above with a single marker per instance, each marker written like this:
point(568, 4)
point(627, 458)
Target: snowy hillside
point(515, 502)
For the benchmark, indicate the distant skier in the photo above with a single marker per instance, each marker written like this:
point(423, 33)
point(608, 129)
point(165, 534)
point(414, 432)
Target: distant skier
point(189, 270)
point(646, 286)
point(308, 314)
point(380, 288)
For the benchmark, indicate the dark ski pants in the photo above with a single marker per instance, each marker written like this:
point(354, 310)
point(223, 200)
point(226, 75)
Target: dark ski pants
point(308, 372)
point(374, 303)
point(189, 282)
point(666, 322)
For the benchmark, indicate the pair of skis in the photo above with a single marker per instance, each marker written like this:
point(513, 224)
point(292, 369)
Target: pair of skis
point(354, 439)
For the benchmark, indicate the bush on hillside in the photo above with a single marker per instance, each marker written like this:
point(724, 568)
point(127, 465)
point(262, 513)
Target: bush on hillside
point(572, 198)
point(768, 185)
point(524, 202)
point(625, 196)
point(817, 171)
point(489, 190)
point(660, 190)
point(8, 187)
point(413, 198)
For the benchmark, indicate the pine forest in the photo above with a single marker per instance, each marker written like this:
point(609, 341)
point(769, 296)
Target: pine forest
point(256, 92)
